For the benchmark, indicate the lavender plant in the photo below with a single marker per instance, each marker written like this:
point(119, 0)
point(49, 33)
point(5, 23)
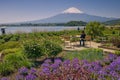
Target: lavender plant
point(73, 70)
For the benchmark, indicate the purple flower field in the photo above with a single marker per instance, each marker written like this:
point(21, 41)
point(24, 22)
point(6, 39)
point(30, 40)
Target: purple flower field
point(106, 69)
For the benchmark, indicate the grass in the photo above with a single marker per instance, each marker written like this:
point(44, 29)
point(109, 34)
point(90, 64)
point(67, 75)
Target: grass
point(8, 51)
point(86, 54)
point(10, 45)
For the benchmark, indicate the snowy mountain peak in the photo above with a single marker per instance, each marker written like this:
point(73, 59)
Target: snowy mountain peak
point(72, 10)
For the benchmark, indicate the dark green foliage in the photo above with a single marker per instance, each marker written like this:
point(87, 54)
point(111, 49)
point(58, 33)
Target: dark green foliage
point(15, 38)
point(7, 37)
point(113, 32)
point(10, 37)
point(52, 49)
point(33, 49)
point(76, 23)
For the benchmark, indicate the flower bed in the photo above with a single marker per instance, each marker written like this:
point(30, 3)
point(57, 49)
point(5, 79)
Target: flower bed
point(106, 69)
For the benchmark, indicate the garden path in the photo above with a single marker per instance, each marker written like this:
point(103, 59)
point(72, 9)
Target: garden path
point(76, 46)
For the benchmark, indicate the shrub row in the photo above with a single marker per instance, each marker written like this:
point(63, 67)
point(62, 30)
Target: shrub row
point(10, 37)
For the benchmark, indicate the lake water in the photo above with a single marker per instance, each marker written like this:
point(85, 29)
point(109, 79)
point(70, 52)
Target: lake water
point(39, 28)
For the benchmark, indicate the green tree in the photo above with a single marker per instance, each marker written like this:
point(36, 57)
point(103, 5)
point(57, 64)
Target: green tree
point(75, 23)
point(94, 29)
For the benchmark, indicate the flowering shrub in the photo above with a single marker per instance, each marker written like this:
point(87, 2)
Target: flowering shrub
point(33, 49)
point(109, 71)
point(51, 48)
point(67, 70)
point(73, 70)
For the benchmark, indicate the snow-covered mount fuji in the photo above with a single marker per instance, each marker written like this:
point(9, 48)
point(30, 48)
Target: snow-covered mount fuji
point(72, 14)
point(72, 10)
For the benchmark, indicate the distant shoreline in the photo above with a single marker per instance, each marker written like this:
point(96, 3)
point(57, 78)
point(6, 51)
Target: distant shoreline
point(28, 29)
point(71, 23)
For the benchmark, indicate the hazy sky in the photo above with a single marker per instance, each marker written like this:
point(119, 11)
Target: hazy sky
point(26, 10)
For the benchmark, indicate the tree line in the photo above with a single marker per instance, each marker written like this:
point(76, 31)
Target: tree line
point(71, 23)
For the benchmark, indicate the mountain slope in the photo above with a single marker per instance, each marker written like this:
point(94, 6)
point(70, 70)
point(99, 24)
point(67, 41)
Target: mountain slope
point(66, 17)
point(113, 22)
point(72, 14)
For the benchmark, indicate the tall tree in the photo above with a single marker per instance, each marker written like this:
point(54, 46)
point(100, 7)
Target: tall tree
point(94, 29)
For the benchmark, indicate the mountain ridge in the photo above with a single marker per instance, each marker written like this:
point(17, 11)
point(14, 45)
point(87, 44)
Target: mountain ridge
point(66, 17)
point(70, 14)
point(113, 22)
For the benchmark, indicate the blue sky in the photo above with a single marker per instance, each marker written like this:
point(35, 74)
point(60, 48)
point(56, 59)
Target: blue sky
point(26, 10)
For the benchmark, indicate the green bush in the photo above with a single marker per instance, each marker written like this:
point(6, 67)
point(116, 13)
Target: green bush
point(17, 60)
point(7, 37)
point(15, 38)
point(113, 32)
point(51, 48)
point(55, 39)
point(6, 68)
point(33, 49)
point(94, 29)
